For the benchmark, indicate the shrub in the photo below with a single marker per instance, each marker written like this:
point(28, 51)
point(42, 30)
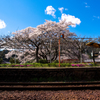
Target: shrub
point(17, 61)
point(37, 64)
point(54, 64)
point(91, 64)
point(28, 65)
point(44, 65)
point(1, 60)
point(55, 61)
point(12, 65)
point(3, 65)
point(73, 65)
point(17, 65)
point(21, 65)
point(43, 61)
point(63, 64)
point(12, 60)
point(68, 64)
point(78, 65)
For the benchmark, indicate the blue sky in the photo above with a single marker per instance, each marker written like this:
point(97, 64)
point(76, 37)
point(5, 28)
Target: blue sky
point(19, 14)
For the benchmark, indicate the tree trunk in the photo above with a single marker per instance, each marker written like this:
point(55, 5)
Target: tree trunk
point(37, 49)
point(93, 58)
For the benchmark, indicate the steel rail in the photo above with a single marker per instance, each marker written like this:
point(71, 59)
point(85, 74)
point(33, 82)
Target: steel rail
point(49, 85)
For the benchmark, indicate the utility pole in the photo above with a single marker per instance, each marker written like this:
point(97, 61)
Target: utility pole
point(80, 53)
point(61, 35)
point(59, 51)
point(15, 51)
point(15, 54)
point(50, 50)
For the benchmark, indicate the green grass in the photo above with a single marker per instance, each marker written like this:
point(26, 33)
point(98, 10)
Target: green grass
point(46, 65)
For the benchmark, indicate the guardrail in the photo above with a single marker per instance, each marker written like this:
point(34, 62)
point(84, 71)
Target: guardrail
point(91, 60)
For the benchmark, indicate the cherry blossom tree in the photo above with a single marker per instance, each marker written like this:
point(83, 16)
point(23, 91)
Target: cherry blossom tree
point(32, 43)
point(75, 48)
point(52, 31)
point(23, 45)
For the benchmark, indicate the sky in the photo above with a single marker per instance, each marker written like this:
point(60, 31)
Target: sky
point(20, 14)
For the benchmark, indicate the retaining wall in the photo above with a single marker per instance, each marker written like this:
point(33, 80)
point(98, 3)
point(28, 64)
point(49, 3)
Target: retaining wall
point(49, 74)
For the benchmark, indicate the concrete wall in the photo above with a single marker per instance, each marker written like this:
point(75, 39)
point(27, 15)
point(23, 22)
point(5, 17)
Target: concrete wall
point(51, 74)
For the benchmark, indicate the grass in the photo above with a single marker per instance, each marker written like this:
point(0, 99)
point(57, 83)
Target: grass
point(48, 65)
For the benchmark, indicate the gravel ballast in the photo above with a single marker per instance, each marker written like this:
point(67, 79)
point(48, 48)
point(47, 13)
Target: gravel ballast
point(51, 95)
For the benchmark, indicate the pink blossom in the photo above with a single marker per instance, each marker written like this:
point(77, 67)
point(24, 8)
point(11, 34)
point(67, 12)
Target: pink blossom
point(73, 65)
point(21, 65)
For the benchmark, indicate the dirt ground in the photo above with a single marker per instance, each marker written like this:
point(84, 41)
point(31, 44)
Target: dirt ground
point(51, 95)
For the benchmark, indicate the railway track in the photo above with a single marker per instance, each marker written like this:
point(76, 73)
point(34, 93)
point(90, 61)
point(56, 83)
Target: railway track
point(49, 85)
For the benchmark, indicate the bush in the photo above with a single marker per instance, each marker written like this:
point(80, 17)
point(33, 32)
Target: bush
point(54, 64)
point(63, 65)
point(29, 65)
point(37, 64)
point(56, 61)
point(3, 65)
point(17, 61)
point(12, 60)
point(68, 64)
point(78, 65)
point(44, 65)
point(1, 60)
point(43, 61)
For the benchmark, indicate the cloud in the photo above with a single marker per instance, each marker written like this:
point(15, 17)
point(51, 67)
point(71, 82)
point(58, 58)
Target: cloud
point(9, 32)
point(61, 9)
point(2, 24)
point(86, 5)
point(50, 11)
point(96, 17)
point(66, 9)
point(70, 18)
